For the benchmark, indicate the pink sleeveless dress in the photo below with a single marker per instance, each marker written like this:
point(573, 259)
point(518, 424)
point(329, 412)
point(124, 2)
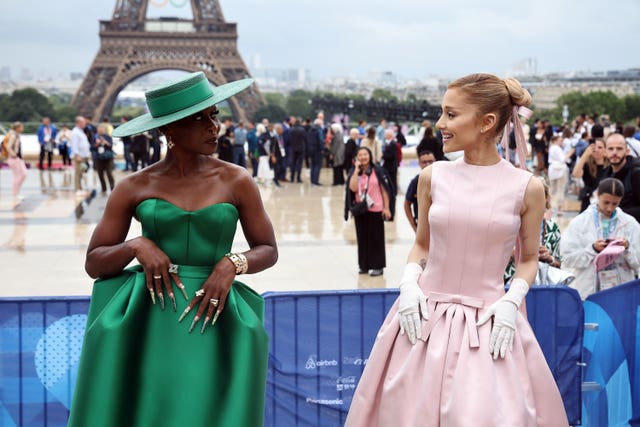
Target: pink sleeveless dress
point(449, 378)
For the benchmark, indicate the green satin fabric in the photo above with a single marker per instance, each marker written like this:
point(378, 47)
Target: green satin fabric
point(140, 367)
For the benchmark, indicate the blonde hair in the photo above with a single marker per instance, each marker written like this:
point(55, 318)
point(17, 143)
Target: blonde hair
point(492, 94)
point(17, 125)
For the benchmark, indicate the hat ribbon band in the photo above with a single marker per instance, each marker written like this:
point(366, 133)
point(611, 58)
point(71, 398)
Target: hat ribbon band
point(174, 101)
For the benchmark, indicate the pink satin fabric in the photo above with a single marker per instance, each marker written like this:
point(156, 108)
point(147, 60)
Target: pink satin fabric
point(449, 378)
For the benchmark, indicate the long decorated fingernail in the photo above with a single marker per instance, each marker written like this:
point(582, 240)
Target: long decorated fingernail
point(161, 298)
point(215, 318)
point(184, 291)
point(195, 320)
point(204, 325)
point(153, 296)
point(173, 301)
point(184, 313)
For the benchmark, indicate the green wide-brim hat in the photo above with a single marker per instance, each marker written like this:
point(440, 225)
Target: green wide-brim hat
point(178, 99)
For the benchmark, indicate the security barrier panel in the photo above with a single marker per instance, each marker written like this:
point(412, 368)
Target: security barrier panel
point(320, 342)
point(319, 345)
point(612, 357)
point(40, 343)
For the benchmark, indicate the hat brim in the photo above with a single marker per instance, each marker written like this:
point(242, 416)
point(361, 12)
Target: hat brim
point(147, 122)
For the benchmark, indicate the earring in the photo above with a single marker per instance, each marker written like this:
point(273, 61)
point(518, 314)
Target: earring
point(170, 143)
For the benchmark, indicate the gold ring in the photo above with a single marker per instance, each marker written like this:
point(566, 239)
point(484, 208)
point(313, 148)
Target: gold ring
point(214, 302)
point(158, 276)
point(199, 292)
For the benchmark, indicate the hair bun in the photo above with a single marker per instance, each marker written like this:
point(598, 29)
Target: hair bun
point(519, 95)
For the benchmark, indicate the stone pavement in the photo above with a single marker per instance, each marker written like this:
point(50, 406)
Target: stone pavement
point(43, 238)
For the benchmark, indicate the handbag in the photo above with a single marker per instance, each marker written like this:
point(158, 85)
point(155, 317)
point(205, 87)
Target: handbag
point(361, 208)
point(549, 275)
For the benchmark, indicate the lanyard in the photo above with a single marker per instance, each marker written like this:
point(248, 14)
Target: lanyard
point(366, 187)
point(606, 227)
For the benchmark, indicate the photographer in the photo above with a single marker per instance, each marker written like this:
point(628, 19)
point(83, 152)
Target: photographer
point(371, 185)
point(103, 148)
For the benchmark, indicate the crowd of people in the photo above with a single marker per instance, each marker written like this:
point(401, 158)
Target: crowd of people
point(571, 159)
point(596, 162)
point(453, 319)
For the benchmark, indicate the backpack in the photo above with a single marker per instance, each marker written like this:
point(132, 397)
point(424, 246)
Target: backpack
point(4, 152)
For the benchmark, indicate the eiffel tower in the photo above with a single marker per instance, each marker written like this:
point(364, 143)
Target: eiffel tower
point(131, 45)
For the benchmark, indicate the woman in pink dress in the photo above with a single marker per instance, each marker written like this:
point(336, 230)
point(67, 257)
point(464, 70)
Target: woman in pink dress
point(455, 349)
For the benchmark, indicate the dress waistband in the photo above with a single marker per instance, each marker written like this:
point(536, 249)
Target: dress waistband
point(440, 303)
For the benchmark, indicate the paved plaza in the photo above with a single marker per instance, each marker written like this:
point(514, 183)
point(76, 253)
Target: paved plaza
point(43, 239)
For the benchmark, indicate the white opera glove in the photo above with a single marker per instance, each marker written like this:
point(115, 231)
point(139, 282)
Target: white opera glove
point(411, 303)
point(504, 312)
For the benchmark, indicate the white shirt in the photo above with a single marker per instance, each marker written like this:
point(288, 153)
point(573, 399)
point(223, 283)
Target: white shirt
point(634, 147)
point(557, 166)
point(578, 253)
point(79, 143)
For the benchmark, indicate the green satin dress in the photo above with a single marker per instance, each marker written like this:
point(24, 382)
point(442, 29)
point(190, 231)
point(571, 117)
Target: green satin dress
point(140, 367)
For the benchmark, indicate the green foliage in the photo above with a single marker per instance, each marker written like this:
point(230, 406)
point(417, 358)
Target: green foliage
point(65, 113)
point(383, 95)
point(274, 113)
point(25, 105)
point(130, 112)
point(276, 99)
point(631, 107)
point(597, 102)
point(298, 104)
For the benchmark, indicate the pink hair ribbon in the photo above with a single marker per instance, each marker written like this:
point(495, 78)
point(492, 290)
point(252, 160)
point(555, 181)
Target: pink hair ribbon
point(514, 120)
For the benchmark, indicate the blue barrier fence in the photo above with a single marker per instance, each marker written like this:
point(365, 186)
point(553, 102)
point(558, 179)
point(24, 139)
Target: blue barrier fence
point(320, 342)
point(612, 354)
point(40, 342)
point(319, 345)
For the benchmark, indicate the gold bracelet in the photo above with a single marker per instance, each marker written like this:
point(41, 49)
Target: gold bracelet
point(240, 262)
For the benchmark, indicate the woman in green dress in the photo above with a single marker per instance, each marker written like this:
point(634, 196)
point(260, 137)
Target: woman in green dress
point(175, 340)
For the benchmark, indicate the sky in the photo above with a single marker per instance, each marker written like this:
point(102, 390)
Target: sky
point(352, 38)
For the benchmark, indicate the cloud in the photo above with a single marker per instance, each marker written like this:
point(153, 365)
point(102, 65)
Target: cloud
point(412, 38)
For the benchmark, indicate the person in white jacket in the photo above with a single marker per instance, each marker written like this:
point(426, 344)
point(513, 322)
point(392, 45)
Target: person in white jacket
point(558, 174)
point(602, 225)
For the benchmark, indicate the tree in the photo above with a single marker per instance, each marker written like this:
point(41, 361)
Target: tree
point(298, 104)
point(383, 95)
point(275, 99)
point(65, 113)
point(274, 113)
point(632, 107)
point(606, 102)
point(593, 102)
point(26, 105)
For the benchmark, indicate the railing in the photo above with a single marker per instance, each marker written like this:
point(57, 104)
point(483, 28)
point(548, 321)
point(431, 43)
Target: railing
point(311, 380)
